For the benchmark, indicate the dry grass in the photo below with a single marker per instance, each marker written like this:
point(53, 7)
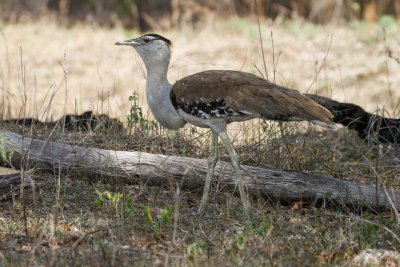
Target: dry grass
point(74, 221)
point(102, 76)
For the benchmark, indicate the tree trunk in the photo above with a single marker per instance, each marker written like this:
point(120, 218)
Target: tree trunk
point(369, 10)
point(153, 169)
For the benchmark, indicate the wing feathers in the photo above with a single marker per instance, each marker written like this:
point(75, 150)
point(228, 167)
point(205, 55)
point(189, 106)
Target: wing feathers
point(232, 93)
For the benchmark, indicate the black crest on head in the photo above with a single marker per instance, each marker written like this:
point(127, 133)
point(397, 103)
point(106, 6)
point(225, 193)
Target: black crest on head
point(159, 37)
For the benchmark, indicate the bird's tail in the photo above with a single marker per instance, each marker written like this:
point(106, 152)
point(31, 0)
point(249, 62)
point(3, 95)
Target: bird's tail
point(319, 115)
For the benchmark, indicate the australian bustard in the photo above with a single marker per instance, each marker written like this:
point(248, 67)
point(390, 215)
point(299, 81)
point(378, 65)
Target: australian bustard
point(212, 99)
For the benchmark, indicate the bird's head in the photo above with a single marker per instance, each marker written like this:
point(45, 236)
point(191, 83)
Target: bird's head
point(152, 48)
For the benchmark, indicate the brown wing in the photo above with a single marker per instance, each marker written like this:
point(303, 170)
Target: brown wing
point(219, 93)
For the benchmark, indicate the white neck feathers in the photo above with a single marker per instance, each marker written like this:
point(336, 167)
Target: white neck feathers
point(158, 88)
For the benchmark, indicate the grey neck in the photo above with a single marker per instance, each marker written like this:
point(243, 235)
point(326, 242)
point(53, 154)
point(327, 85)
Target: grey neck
point(157, 80)
point(158, 95)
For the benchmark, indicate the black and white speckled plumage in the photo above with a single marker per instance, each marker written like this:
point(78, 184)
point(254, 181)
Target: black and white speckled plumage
point(205, 110)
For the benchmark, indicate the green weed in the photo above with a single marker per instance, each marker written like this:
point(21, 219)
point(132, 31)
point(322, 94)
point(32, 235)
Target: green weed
point(117, 205)
point(137, 120)
point(158, 221)
point(195, 253)
point(6, 157)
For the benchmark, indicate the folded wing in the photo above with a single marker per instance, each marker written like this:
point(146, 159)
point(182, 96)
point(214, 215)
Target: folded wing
point(225, 93)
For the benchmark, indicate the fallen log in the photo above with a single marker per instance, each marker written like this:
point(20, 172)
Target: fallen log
point(155, 169)
point(12, 182)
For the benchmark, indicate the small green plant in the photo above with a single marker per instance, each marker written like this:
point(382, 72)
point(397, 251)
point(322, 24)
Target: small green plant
point(194, 251)
point(136, 118)
point(108, 201)
point(6, 157)
point(117, 204)
point(162, 220)
point(237, 243)
point(387, 21)
point(147, 214)
point(128, 208)
point(367, 233)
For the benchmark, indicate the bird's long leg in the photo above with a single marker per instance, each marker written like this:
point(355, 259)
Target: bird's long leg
point(212, 161)
point(236, 165)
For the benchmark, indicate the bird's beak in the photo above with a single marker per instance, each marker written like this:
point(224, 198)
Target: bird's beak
point(130, 42)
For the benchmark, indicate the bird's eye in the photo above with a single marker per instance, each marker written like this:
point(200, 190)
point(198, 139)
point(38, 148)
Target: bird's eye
point(146, 40)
